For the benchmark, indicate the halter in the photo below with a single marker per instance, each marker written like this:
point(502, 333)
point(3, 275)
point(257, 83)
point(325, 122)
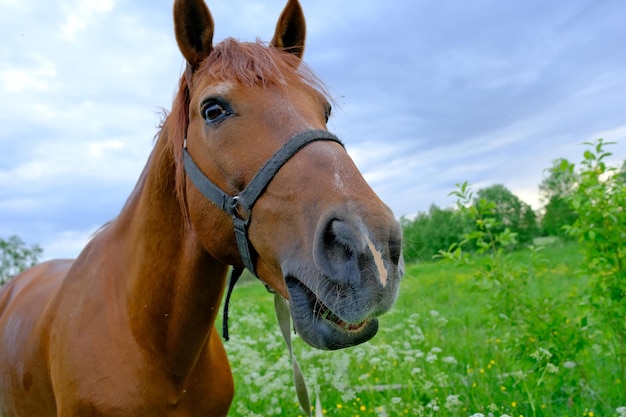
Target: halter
point(240, 206)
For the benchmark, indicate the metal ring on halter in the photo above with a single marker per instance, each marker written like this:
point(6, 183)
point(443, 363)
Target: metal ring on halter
point(235, 207)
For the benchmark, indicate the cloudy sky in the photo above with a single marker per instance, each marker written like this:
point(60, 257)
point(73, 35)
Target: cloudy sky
point(430, 93)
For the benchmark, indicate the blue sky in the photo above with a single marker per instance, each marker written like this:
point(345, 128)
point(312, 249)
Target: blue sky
point(430, 93)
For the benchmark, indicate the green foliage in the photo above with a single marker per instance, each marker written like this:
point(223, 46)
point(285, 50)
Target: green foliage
point(430, 232)
point(558, 214)
point(557, 189)
point(15, 256)
point(535, 330)
point(442, 350)
point(560, 182)
point(600, 201)
point(509, 212)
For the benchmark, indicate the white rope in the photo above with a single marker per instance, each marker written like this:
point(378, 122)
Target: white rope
point(284, 321)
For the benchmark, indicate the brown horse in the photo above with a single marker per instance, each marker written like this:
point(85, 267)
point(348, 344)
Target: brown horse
point(127, 329)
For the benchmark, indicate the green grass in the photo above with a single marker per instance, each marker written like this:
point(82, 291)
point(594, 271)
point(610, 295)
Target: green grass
point(440, 351)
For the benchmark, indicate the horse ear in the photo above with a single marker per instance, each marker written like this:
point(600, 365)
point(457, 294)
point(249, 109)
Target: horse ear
point(290, 29)
point(193, 26)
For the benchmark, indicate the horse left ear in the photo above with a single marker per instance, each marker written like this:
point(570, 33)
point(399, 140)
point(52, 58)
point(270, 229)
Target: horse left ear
point(194, 27)
point(290, 29)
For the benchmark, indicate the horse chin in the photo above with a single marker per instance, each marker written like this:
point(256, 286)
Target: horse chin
point(319, 326)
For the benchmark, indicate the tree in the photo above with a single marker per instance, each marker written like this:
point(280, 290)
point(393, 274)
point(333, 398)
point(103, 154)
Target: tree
point(15, 256)
point(510, 213)
point(429, 233)
point(558, 213)
point(556, 189)
point(560, 182)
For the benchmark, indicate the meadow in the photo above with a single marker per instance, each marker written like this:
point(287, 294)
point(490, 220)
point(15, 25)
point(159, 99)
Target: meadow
point(453, 345)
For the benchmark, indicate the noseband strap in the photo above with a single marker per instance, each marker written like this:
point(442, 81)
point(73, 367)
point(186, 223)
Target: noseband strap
point(240, 206)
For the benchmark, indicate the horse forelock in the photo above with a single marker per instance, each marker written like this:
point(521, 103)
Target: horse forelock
point(247, 63)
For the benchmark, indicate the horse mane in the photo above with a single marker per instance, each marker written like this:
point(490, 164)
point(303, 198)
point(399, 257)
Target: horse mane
point(248, 63)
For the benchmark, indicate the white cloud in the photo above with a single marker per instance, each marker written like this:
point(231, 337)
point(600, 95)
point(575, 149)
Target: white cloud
point(36, 77)
point(81, 14)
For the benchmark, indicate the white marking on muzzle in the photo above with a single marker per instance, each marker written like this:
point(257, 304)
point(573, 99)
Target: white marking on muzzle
point(378, 260)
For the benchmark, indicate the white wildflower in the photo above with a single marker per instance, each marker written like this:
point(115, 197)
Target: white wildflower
point(452, 403)
point(449, 359)
point(621, 411)
point(569, 364)
point(540, 354)
point(416, 371)
point(477, 415)
point(380, 411)
point(433, 404)
point(348, 395)
point(396, 400)
point(492, 407)
point(552, 368)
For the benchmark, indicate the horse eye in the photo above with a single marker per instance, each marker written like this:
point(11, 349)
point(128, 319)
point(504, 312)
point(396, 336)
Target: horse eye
point(327, 110)
point(214, 112)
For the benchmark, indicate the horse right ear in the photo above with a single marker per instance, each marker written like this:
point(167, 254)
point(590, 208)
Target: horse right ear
point(194, 27)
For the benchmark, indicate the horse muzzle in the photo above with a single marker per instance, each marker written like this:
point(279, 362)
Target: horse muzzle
point(353, 279)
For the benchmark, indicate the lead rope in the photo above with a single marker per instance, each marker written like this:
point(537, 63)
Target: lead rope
point(234, 277)
point(284, 321)
point(281, 307)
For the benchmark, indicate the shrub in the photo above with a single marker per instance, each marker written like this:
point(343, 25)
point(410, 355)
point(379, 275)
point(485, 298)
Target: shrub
point(600, 202)
point(15, 256)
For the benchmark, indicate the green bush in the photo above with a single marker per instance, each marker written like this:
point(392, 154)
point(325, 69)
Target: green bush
point(509, 212)
point(431, 232)
point(600, 202)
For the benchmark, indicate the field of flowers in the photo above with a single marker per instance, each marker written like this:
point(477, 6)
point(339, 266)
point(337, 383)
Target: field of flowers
point(452, 345)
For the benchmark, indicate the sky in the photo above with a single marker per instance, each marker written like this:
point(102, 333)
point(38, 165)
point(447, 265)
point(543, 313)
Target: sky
point(429, 93)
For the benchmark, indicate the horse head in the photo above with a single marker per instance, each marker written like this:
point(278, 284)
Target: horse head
point(316, 232)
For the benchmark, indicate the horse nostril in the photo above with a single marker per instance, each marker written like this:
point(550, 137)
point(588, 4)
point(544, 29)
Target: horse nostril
point(337, 241)
point(336, 251)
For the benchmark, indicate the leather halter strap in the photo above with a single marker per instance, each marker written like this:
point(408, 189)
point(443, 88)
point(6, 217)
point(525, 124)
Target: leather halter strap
point(240, 206)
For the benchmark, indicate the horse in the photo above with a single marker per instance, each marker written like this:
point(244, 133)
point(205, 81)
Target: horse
point(243, 173)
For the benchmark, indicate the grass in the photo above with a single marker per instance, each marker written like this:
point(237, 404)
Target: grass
point(439, 352)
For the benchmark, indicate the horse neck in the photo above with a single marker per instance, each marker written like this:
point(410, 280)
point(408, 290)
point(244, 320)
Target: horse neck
point(174, 287)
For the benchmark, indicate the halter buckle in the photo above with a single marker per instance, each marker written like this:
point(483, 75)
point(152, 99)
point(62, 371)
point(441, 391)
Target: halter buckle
point(238, 210)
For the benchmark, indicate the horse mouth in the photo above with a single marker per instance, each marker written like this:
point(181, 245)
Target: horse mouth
point(323, 313)
point(319, 325)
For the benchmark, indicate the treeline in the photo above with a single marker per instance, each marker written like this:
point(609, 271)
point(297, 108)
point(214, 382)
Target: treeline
point(429, 233)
